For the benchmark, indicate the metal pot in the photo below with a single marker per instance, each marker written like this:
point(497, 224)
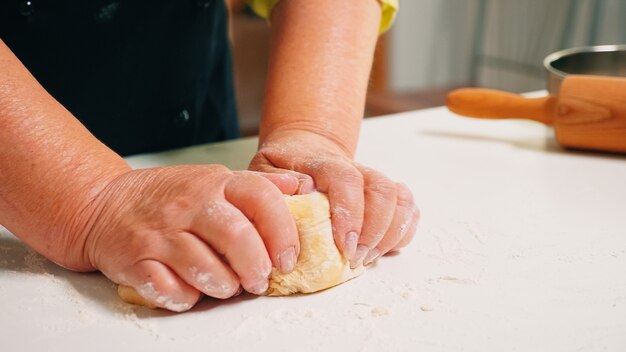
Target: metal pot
point(601, 60)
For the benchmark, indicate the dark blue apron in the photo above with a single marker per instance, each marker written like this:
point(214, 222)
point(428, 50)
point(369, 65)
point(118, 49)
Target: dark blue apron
point(142, 75)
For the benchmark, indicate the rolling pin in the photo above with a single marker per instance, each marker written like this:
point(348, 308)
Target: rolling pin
point(589, 112)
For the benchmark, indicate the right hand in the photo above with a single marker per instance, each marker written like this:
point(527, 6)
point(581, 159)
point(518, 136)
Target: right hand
point(173, 233)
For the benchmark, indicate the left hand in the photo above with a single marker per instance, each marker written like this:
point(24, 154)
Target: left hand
point(371, 214)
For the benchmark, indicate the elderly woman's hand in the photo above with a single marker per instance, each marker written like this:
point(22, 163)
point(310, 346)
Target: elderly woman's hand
point(371, 214)
point(175, 232)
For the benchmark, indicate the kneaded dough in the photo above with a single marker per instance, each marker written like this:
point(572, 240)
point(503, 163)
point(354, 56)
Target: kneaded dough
point(320, 265)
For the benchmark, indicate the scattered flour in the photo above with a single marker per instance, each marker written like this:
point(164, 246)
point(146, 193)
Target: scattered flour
point(426, 308)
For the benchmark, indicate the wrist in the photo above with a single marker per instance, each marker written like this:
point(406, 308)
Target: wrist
point(69, 227)
point(340, 140)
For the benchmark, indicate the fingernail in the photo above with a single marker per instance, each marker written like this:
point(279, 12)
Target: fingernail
point(305, 186)
point(287, 260)
point(371, 256)
point(361, 252)
point(260, 287)
point(349, 244)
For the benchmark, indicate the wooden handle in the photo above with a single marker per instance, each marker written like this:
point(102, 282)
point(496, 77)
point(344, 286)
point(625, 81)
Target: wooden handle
point(495, 104)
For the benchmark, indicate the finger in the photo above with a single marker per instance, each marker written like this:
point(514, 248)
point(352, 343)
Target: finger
point(305, 182)
point(289, 182)
point(410, 233)
point(402, 222)
point(267, 209)
point(160, 286)
point(344, 185)
point(200, 266)
point(380, 202)
point(231, 234)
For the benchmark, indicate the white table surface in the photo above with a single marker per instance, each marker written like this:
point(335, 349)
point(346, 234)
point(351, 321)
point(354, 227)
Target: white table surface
point(521, 247)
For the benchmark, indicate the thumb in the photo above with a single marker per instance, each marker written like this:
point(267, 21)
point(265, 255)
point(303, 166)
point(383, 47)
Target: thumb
point(289, 182)
point(282, 178)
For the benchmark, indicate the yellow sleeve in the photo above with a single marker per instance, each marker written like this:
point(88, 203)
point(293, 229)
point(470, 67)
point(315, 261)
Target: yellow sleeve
point(264, 8)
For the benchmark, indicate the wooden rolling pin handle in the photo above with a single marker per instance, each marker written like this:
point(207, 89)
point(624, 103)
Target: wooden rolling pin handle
point(495, 104)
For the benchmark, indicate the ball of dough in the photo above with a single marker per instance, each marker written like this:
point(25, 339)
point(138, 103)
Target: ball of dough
point(320, 265)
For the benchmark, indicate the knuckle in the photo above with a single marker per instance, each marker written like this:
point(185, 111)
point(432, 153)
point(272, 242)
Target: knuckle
point(372, 239)
point(141, 242)
point(265, 194)
point(337, 168)
point(351, 176)
point(237, 231)
point(167, 288)
point(405, 196)
point(417, 214)
point(216, 210)
point(216, 168)
point(341, 215)
point(382, 188)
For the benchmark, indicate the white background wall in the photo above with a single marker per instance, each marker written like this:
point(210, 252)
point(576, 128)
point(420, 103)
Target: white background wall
point(437, 43)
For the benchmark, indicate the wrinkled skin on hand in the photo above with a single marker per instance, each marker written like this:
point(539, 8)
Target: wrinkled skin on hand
point(173, 233)
point(371, 214)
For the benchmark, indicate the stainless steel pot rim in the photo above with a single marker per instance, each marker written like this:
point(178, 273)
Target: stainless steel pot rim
point(547, 62)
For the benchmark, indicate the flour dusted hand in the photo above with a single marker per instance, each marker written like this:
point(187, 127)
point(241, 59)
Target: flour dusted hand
point(370, 214)
point(173, 233)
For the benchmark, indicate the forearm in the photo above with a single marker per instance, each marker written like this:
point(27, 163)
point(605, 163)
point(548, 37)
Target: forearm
point(320, 60)
point(51, 167)
point(321, 56)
